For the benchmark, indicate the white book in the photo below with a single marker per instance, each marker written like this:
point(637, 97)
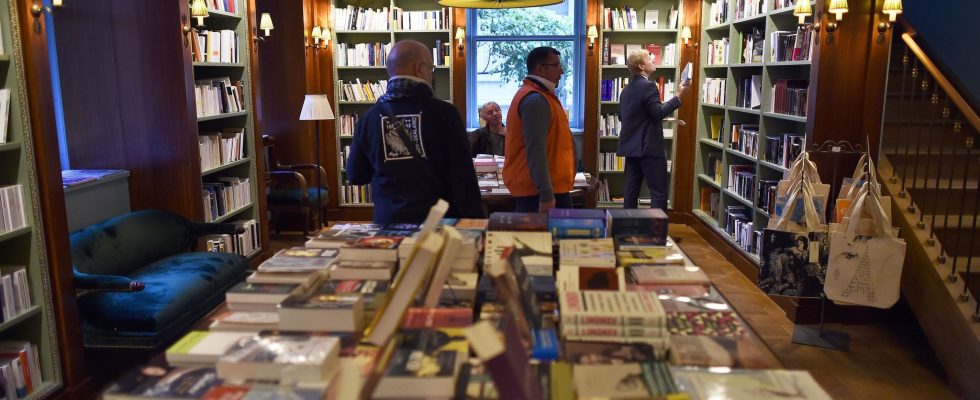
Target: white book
point(4, 114)
point(446, 260)
point(9, 304)
point(202, 347)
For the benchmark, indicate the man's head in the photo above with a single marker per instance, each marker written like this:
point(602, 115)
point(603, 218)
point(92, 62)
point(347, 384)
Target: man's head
point(545, 62)
point(408, 57)
point(490, 112)
point(640, 62)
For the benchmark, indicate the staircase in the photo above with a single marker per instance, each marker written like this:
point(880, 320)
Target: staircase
point(930, 164)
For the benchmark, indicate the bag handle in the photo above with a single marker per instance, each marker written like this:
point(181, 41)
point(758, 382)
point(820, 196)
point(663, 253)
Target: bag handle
point(878, 219)
point(811, 218)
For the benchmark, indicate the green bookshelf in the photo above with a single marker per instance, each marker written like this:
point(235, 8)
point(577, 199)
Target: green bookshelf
point(714, 150)
point(663, 35)
point(24, 246)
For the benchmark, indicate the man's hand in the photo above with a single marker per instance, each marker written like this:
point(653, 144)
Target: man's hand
point(681, 122)
point(544, 206)
point(683, 88)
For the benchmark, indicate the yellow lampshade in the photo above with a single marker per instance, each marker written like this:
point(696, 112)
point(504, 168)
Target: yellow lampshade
point(199, 10)
point(803, 10)
point(685, 33)
point(265, 23)
point(838, 8)
point(57, 3)
point(592, 33)
point(316, 33)
point(497, 3)
point(325, 36)
point(892, 8)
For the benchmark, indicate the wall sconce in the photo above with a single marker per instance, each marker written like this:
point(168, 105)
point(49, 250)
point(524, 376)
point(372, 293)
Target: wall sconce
point(892, 8)
point(325, 37)
point(460, 37)
point(37, 8)
point(803, 10)
point(838, 8)
point(686, 36)
point(592, 33)
point(315, 35)
point(199, 10)
point(265, 24)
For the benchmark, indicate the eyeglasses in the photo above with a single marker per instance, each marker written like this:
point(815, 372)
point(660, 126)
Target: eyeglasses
point(432, 66)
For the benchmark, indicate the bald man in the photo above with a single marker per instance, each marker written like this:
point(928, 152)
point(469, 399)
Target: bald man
point(406, 183)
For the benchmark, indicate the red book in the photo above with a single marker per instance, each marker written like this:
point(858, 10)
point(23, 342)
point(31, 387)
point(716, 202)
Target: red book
point(422, 317)
point(654, 50)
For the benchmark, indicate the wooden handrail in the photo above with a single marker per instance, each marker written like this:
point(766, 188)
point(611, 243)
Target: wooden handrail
point(954, 95)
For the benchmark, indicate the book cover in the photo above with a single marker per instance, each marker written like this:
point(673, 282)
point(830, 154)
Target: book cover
point(322, 312)
point(615, 381)
point(423, 317)
point(472, 223)
point(284, 357)
point(576, 213)
point(202, 347)
point(164, 382)
point(266, 293)
point(635, 242)
point(715, 351)
point(517, 222)
point(667, 275)
point(587, 252)
point(603, 353)
point(425, 363)
point(377, 242)
point(638, 221)
point(577, 228)
point(761, 384)
point(497, 242)
point(248, 321)
point(705, 323)
point(651, 255)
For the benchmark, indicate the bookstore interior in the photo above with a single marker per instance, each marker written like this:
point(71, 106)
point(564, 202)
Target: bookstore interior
point(214, 199)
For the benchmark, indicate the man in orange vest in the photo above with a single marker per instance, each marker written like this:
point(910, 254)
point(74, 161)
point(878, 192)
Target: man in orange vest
point(539, 168)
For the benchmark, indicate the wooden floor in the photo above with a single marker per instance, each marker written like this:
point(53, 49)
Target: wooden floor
point(888, 359)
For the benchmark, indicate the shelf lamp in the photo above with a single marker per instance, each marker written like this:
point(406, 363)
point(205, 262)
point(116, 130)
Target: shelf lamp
point(838, 8)
point(199, 10)
point(460, 37)
point(892, 8)
point(803, 10)
point(316, 107)
point(592, 34)
point(686, 36)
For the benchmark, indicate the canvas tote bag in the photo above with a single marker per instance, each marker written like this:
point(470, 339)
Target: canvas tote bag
point(865, 269)
point(793, 258)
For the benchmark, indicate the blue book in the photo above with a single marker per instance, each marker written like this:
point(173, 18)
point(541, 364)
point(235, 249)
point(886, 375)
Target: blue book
point(577, 228)
point(545, 344)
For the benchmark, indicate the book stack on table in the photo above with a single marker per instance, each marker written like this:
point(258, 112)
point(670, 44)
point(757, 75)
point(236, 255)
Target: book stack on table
point(584, 304)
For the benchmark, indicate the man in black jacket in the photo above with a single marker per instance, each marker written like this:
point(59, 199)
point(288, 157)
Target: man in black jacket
point(641, 139)
point(406, 183)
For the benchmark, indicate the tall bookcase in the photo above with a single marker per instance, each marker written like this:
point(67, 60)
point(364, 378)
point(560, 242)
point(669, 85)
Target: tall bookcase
point(733, 133)
point(442, 77)
point(663, 35)
point(242, 171)
point(24, 246)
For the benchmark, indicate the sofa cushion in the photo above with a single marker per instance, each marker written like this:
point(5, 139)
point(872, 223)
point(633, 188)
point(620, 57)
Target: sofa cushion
point(179, 290)
point(121, 244)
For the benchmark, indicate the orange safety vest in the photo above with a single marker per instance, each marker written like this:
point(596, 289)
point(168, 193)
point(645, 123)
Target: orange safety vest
point(559, 146)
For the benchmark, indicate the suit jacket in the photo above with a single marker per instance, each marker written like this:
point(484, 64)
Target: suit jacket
point(641, 114)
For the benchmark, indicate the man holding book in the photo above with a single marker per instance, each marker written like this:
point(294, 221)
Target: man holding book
point(408, 146)
point(641, 139)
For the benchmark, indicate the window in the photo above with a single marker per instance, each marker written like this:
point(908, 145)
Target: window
point(498, 47)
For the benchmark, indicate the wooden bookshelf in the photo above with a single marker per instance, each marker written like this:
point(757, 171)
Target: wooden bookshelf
point(442, 77)
point(639, 35)
point(769, 124)
point(25, 246)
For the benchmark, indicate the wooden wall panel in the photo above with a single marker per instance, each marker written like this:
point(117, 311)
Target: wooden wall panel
point(590, 138)
point(52, 205)
point(142, 118)
point(281, 58)
point(685, 137)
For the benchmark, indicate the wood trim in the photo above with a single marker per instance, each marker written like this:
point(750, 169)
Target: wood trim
point(685, 137)
point(876, 82)
point(590, 136)
point(257, 129)
point(459, 64)
point(52, 198)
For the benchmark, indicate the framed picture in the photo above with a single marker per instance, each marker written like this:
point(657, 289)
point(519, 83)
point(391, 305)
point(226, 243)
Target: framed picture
point(651, 19)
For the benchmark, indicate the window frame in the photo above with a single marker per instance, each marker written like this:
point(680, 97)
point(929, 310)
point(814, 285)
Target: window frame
point(577, 110)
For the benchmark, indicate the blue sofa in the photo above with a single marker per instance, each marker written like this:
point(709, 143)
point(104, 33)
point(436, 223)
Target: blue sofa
point(139, 284)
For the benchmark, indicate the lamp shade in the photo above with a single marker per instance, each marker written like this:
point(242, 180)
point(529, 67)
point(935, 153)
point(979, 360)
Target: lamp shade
point(316, 33)
point(802, 10)
point(265, 22)
point(199, 9)
point(685, 33)
point(592, 33)
point(460, 33)
point(838, 8)
point(316, 107)
point(892, 8)
point(497, 3)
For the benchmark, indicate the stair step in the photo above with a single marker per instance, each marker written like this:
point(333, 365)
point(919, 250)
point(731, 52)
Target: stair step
point(929, 184)
point(951, 222)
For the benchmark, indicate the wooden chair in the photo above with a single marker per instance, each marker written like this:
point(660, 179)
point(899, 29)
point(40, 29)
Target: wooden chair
point(288, 190)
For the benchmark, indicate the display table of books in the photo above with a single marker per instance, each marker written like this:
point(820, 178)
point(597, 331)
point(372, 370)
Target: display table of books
point(571, 304)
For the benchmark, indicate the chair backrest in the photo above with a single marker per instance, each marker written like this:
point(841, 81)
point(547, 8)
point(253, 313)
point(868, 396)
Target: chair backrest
point(269, 152)
point(129, 242)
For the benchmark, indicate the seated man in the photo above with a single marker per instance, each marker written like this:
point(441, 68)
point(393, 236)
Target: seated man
point(489, 139)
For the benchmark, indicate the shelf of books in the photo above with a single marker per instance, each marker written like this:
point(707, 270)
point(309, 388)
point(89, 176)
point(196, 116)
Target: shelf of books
point(30, 363)
point(363, 33)
point(755, 72)
point(226, 137)
point(629, 25)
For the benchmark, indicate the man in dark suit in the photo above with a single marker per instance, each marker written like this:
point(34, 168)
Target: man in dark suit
point(641, 139)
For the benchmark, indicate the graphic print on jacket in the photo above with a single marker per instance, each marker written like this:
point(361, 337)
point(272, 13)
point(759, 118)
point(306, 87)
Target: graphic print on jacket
point(395, 147)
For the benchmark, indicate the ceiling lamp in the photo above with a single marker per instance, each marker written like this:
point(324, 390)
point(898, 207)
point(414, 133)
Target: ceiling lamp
point(497, 3)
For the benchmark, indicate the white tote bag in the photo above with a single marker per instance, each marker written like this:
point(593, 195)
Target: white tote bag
point(865, 269)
